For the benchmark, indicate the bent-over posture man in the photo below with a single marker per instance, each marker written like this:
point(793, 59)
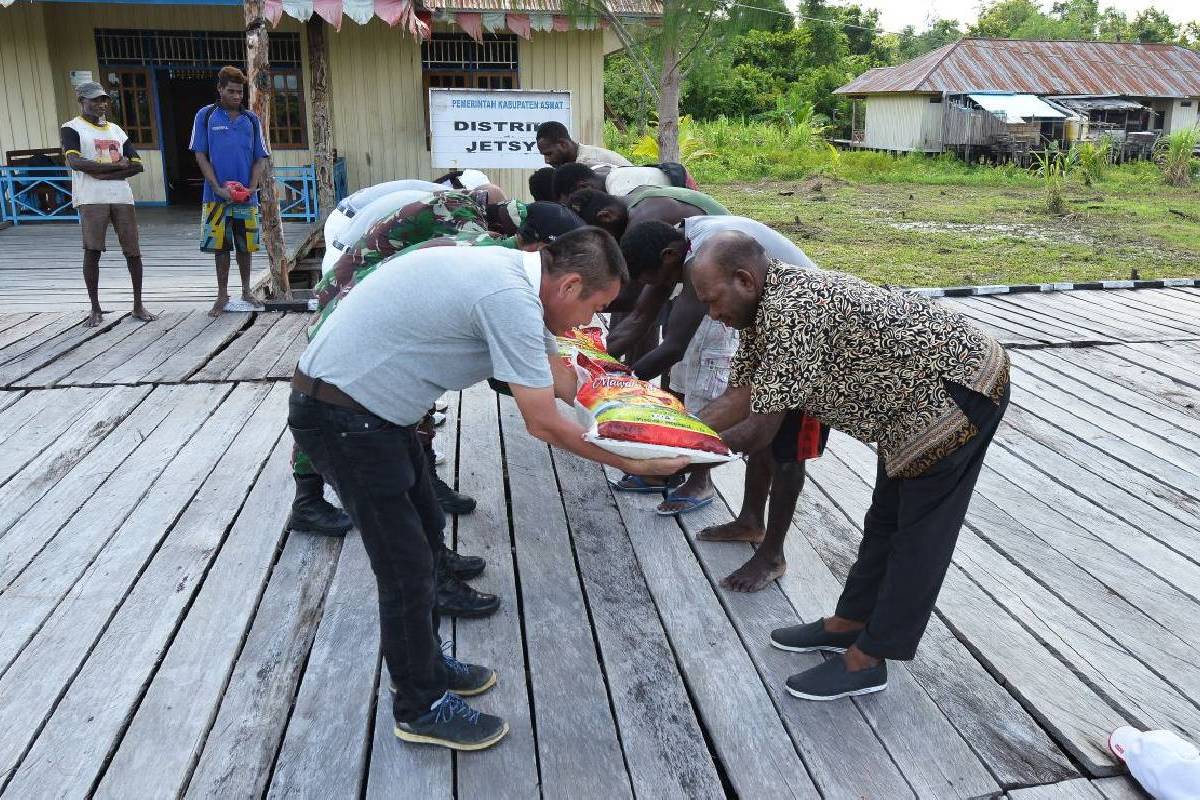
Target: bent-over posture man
point(230, 145)
point(102, 159)
point(669, 204)
point(887, 367)
point(444, 319)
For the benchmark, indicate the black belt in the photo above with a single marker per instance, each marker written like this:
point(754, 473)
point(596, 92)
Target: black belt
point(326, 392)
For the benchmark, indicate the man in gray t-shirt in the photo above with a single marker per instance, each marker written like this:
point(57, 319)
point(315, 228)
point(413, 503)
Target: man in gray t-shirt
point(444, 319)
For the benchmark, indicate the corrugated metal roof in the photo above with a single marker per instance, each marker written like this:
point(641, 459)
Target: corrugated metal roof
point(1017, 108)
point(622, 8)
point(1009, 65)
point(1076, 103)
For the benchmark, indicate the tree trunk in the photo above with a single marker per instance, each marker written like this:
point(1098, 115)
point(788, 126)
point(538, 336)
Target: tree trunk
point(322, 117)
point(668, 104)
point(259, 76)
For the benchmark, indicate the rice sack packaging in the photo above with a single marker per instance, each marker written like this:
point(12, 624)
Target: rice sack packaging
point(590, 342)
point(636, 419)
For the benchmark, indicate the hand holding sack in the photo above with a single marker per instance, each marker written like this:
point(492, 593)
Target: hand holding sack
point(635, 419)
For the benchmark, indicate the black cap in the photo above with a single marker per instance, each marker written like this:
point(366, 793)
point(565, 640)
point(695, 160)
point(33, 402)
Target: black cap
point(545, 222)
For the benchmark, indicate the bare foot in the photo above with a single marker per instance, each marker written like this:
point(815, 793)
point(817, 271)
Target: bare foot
point(249, 297)
point(736, 531)
point(140, 312)
point(219, 307)
point(680, 502)
point(755, 574)
point(94, 318)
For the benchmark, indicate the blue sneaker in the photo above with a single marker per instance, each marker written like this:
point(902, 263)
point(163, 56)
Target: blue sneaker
point(830, 680)
point(465, 680)
point(454, 724)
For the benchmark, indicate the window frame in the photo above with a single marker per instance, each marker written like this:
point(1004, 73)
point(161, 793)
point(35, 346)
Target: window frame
point(469, 70)
point(303, 109)
point(119, 107)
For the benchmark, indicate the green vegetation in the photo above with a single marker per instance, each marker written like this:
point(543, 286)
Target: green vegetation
point(1053, 166)
point(753, 60)
point(1175, 154)
point(1093, 158)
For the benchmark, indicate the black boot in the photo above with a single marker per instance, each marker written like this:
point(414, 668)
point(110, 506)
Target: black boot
point(452, 502)
point(464, 567)
point(457, 599)
point(312, 513)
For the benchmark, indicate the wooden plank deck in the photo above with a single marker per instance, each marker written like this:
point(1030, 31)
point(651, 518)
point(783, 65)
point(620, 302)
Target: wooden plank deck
point(164, 637)
point(42, 267)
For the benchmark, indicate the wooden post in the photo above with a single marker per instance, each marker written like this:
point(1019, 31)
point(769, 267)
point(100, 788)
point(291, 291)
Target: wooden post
point(322, 116)
point(259, 75)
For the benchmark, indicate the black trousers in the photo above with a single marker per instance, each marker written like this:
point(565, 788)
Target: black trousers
point(909, 536)
point(382, 476)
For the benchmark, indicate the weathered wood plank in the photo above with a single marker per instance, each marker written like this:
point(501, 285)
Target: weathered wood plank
point(71, 750)
point(1083, 622)
point(85, 351)
point(996, 638)
point(8, 398)
point(23, 332)
point(1014, 308)
point(1008, 741)
point(1147, 324)
point(579, 751)
point(842, 751)
point(1083, 315)
point(286, 365)
point(28, 406)
point(508, 770)
point(89, 592)
point(1120, 788)
point(1078, 789)
point(188, 326)
point(223, 363)
point(56, 464)
point(1008, 328)
point(193, 355)
point(1161, 306)
point(10, 320)
point(1168, 360)
point(663, 742)
point(399, 769)
point(760, 761)
point(337, 697)
point(240, 749)
point(159, 749)
point(54, 415)
point(270, 348)
point(33, 592)
point(90, 362)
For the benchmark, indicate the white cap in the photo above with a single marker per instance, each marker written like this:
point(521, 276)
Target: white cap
point(1167, 766)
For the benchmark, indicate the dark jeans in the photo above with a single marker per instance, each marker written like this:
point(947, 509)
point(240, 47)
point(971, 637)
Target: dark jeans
point(909, 536)
point(380, 473)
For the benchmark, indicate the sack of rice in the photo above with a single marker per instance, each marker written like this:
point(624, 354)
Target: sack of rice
point(635, 419)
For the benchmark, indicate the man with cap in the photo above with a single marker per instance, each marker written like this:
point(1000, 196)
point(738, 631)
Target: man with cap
point(231, 148)
point(102, 159)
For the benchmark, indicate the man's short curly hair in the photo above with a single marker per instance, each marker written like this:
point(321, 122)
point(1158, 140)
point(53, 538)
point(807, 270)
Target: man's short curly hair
point(643, 244)
point(568, 177)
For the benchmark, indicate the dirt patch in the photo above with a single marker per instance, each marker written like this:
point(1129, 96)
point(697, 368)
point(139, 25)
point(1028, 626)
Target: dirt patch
point(1003, 230)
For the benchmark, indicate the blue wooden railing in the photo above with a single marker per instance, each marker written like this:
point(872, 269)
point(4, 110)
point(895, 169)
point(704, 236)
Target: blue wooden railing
point(32, 194)
point(40, 194)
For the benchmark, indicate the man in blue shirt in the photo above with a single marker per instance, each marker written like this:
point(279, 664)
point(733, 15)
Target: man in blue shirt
point(230, 146)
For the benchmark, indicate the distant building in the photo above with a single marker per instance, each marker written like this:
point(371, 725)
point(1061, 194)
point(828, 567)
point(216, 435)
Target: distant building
point(1007, 97)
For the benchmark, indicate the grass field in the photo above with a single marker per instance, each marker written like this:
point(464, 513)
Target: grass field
point(952, 234)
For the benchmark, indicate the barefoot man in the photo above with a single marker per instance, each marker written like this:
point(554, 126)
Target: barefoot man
point(883, 366)
point(696, 351)
point(229, 146)
point(102, 159)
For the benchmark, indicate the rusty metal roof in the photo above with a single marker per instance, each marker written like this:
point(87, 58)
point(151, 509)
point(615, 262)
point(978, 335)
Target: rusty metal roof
point(622, 8)
point(1009, 65)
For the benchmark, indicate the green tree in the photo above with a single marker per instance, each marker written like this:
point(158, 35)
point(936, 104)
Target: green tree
point(767, 15)
point(1079, 18)
point(1113, 26)
point(1003, 19)
point(1153, 25)
point(909, 44)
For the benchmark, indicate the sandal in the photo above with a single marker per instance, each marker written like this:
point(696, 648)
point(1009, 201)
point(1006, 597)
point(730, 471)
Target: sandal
point(689, 504)
point(639, 485)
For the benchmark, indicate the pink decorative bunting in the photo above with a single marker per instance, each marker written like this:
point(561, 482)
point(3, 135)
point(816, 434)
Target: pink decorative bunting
point(273, 9)
point(330, 11)
point(561, 23)
point(391, 11)
point(519, 24)
point(472, 24)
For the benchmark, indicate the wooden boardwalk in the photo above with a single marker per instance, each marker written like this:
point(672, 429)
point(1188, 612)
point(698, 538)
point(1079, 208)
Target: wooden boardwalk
point(42, 265)
point(163, 636)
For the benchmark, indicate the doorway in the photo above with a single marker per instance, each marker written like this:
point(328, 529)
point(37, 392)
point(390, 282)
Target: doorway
point(181, 93)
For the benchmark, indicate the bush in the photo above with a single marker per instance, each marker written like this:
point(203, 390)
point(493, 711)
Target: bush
point(1175, 154)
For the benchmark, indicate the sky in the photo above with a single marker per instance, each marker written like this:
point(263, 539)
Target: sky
point(898, 13)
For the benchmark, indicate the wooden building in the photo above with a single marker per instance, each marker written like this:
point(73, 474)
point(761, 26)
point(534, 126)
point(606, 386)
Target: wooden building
point(1008, 95)
point(160, 59)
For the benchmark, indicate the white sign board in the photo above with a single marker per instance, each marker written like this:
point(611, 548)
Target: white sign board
point(491, 128)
